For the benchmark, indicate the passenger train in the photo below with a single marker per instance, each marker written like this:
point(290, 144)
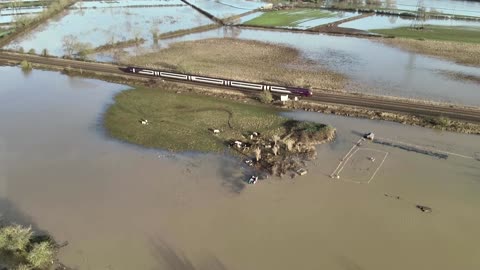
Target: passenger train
point(281, 90)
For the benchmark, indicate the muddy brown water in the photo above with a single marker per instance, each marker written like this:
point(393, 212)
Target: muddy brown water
point(124, 207)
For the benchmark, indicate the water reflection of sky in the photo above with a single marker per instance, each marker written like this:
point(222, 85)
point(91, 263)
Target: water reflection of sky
point(381, 22)
point(125, 3)
point(373, 67)
point(99, 26)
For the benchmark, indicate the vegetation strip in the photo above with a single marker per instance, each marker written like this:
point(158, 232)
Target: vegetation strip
point(183, 32)
point(119, 44)
point(373, 105)
point(432, 32)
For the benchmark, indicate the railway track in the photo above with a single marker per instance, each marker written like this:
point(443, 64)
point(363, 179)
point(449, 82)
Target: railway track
point(463, 114)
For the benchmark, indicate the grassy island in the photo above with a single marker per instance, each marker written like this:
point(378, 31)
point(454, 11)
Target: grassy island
point(183, 121)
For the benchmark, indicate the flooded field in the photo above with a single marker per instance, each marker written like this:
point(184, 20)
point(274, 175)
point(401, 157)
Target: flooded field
point(456, 7)
point(397, 72)
point(382, 22)
point(122, 3)
point(297, 19)
point(466, 8)
point(123, 207)
point(227, 8)
point(100, 26)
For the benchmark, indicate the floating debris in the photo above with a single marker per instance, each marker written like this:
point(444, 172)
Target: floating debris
point(144, 121)
point(369, 136)
point(424, 209)
point(253, 179)
point(411, 148)
point(392, 196)
point(301, 171)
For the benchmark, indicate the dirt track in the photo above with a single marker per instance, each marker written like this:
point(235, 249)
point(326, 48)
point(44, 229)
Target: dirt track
point(463, 114)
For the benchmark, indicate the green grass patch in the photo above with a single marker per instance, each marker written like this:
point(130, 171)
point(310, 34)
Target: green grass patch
point(5, 32)
point(430, 32)
point(184, 121)
point(291, 17)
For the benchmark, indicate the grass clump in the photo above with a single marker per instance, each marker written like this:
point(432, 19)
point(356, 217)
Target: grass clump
point(19, 249)
point(289, 18)
point(25, 65)
point(184, 122)
point(431, 32)
point(266, 97)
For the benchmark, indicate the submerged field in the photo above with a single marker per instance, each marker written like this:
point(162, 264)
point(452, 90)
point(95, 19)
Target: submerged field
point(463, 53)
point(242, 60)
point(297, 18)
point(184, 122)
point(431, 32)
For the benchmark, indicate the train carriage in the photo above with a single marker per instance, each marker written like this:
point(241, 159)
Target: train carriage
point(281, 90)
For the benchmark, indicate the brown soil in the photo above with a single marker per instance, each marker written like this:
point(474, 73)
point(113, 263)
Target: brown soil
point(242, 60)
point(463, 53)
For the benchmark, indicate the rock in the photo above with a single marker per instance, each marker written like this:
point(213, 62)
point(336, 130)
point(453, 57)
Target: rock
point(424, 209)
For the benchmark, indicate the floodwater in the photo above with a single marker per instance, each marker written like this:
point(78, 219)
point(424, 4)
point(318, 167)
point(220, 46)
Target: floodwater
point(227, 8)
point(100, 26)
point(382, 22)
point(128, 3)
point(20, 11)
point(312, 22)
point(373, 67)
point(456, 7)
point(124, 207)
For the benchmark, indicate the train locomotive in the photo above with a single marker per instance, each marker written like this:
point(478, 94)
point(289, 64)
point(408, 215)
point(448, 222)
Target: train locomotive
point(276, 89)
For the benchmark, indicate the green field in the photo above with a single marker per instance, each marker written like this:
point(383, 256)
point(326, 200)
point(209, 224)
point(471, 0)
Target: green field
point(181, 122)
point(430, 32)
point(291, 17)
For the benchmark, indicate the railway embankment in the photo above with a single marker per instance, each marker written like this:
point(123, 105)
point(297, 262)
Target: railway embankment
point(413, 112)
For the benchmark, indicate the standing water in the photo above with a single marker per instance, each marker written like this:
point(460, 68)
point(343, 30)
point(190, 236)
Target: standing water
point(124, 207)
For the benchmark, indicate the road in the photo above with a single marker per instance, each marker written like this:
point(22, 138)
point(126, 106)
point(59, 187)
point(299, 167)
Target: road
point(463, 114)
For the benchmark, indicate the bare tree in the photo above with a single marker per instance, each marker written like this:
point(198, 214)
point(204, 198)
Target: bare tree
point(68, 44)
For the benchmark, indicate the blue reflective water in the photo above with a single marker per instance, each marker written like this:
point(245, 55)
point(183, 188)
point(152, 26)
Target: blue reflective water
point(100, 26)
point(372, 66)
point(382, 22)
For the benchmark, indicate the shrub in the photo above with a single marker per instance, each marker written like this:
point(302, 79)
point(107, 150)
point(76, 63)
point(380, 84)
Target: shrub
point(44, 52)
point(31, 51)
point(266, 97)
point(15, 238)
point(41, 255)
point(25, 65)
point(23, 267)
point(21, 50)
